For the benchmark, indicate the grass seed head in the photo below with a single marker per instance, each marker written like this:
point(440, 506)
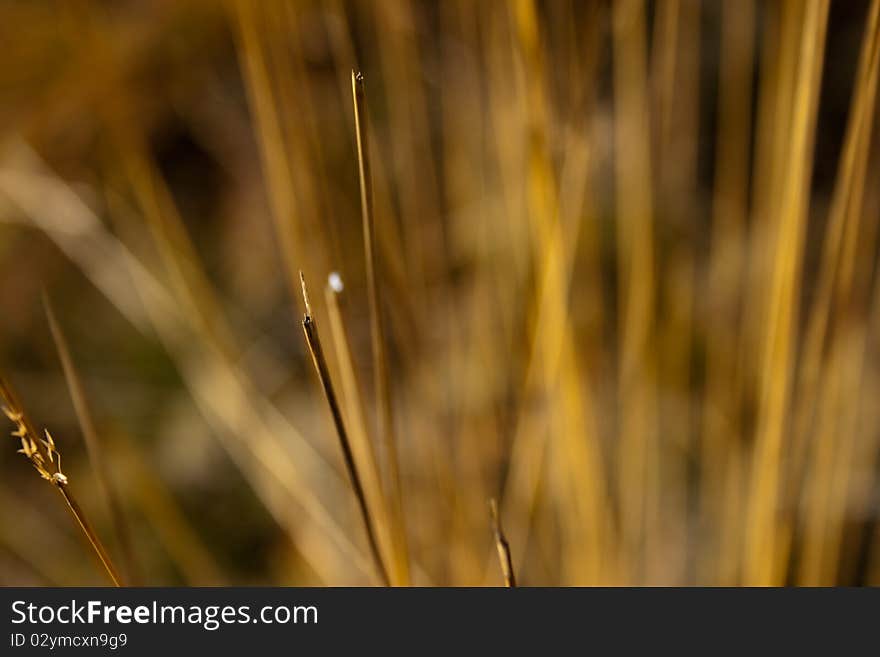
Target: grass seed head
point(41, 452)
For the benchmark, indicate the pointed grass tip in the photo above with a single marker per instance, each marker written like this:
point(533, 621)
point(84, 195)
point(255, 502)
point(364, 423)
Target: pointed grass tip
point(305, 293)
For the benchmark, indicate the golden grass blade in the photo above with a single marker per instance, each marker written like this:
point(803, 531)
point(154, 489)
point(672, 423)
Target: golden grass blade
point(385, 415)
point(276, 160)
point(90, 534)
point(553, 361)
point(829, 384)
point(767, 539)
point(411, 160)
point(638, 478)
point(827, 483)
point(838, 257)
point(313, 341)
point(362, 446)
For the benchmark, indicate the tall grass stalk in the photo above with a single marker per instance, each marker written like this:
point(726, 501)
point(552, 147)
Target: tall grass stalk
point(385, 416)
point(313, 340)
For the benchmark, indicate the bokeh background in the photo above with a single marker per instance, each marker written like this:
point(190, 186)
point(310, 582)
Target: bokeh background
point(627, 255)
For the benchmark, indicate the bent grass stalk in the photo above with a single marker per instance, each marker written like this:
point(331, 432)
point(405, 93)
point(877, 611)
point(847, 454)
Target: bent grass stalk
point(310, 330)
point(46, 459)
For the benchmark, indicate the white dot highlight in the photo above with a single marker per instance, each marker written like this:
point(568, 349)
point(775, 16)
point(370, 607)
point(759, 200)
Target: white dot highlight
point(335, 282)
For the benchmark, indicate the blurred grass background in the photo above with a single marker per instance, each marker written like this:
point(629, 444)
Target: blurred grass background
point(627, 252)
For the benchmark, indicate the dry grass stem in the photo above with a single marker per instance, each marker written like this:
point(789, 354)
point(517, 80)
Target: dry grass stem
point(386, 429)
point(502, 546)
point(362, 446)
point(46, 459)
point(314, 343)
